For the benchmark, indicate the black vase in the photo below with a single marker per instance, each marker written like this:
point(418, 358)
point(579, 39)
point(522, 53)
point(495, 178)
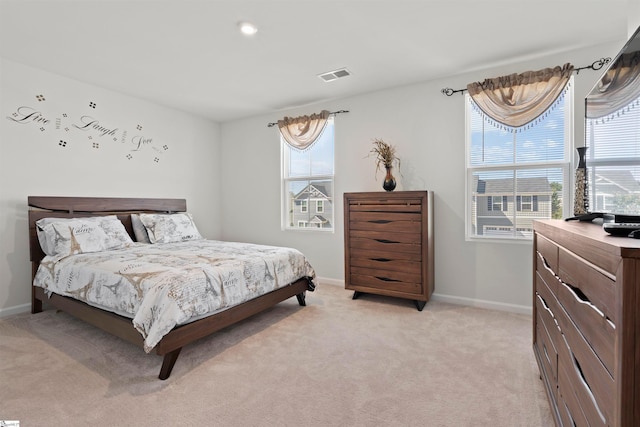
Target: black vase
point(389, 183)
point(581, 197)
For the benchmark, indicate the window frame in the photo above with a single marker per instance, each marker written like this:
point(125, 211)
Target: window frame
point(286, 216)
point(565, 165)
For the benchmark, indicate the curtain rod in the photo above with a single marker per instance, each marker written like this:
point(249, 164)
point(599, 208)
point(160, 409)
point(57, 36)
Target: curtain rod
point(332, 113)
point(596, 65)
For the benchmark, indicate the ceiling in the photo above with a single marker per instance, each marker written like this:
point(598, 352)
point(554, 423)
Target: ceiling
point(189, 55)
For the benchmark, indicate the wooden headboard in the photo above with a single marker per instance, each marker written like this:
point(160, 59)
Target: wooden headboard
point(74, 207)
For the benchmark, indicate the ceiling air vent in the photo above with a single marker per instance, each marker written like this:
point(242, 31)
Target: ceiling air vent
point(334, 75)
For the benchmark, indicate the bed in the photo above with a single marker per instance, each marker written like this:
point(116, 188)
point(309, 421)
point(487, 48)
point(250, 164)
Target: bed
point(201, 269)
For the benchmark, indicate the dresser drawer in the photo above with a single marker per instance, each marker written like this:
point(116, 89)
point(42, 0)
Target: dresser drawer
point(584, 374)
point(388, 275)
point(380, 260)
point(569, 408)
point(591, 323)
point(393, 204)
point(598, 288)
point(547, 351)
point(548, 250)
point(383, 247)
point(385, 280)
point(386, 222)
point(545, 315)
point(546, 274)
point(382, 236)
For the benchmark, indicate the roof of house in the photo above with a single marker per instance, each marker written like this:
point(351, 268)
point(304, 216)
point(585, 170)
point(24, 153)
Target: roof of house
point(314, 191)
point(318, 219)
point(617, 181)
point(536, 185)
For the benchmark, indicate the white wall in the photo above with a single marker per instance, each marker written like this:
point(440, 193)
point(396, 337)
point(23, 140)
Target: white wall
point(427, 129)
point(230, 173)
point(633, 16)
point(33, 163)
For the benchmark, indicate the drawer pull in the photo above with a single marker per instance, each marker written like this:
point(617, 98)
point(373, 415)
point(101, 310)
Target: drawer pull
point(546, 307)
point(581, 298)
point(380, 259)
point(576, 366)
point(385, 241)
point(380, 221)
point(386, 279)
point(546, 265)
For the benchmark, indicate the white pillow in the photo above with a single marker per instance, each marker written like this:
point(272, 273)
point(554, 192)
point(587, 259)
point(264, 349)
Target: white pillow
point(168, 228)
point(69, 236)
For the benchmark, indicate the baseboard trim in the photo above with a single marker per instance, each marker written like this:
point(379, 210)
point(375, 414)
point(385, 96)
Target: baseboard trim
point(332, 282)
point(17, 309)
point(491, 305)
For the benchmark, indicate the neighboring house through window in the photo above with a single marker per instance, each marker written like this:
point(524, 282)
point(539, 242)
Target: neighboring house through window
point(307, 183)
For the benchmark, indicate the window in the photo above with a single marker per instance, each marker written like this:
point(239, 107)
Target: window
point(496, 203)
point(517, 175)
point(613, 161)
point(307, 184)
point(527, 203)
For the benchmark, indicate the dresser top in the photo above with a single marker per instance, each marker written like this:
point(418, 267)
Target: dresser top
point(387, 193)
point(587, 236)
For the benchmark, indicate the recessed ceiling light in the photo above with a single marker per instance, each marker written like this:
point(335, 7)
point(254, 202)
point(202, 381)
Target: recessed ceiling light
point(247, 28)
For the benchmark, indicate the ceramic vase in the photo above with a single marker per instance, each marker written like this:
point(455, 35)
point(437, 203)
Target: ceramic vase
point(389, 183)
point(581, 197)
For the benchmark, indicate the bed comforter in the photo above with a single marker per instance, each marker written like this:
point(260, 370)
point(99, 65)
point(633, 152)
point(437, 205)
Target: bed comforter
point(163, 285)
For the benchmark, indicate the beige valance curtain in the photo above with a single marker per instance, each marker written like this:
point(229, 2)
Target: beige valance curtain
point(301, 132)
point(618, 88)
point(518, 99)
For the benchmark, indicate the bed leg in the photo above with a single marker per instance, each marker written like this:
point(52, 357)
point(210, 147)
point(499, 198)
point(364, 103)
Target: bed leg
point(36, 304)
point(301, 298)
point(168, 362)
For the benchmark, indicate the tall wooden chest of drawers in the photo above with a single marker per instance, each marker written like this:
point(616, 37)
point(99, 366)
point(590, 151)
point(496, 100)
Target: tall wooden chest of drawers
point(586, 323)
point(388, 239)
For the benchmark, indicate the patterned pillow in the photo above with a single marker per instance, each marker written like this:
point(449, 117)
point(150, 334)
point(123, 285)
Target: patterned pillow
point(138, 229)
point(167, 228)
point(69, 236)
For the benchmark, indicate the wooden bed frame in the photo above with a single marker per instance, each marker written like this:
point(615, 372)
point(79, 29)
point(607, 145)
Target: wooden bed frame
point(172, 343)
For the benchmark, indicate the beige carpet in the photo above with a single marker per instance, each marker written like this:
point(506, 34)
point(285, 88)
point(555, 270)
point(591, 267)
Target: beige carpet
point(374, 361)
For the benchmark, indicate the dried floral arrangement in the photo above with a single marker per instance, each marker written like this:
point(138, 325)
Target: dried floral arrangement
point(385, 154)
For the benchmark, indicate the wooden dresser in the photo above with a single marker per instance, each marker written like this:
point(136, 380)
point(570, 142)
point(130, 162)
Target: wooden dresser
point(586, 323)
point(388, 239)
